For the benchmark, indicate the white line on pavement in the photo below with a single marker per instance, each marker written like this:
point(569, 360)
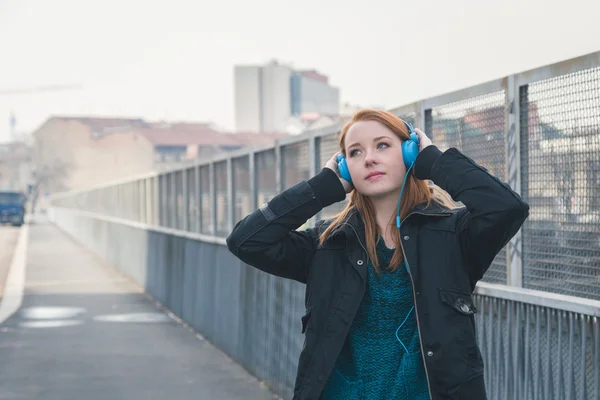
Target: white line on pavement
point(13, 291)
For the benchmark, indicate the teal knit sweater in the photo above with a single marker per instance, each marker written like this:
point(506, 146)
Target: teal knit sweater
point(373, 364)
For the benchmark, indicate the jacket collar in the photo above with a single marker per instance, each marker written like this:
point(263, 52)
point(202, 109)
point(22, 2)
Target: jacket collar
point(354, 223)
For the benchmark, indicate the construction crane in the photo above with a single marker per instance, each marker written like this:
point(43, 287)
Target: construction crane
point(39, 89)
point(34, 90)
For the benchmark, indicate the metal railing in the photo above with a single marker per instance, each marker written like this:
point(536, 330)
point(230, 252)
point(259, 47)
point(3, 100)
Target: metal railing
point(538, 130)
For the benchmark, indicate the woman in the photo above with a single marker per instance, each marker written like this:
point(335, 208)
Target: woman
point(389, 313)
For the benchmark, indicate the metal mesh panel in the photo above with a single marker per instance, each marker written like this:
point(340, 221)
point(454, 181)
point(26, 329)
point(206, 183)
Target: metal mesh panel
point(179, 200)
point(149, 200)
point(327, 146)
point(205, 203)
point(119, 200)
point(155, 196)
point(222, 200)
point(135, 200)
point(124, 201)
point(410, 118)
point(296, 166)
point(560, 138)
point(171, 200)
point(241, 188)
point(192, 202)
point(132, 206)
point(296, 163)
point(113, 203)
point(266, 178)
point(140, 189)
point(476, 127)
point(127, 197)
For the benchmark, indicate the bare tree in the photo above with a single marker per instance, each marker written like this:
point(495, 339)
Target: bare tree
point(50, 167)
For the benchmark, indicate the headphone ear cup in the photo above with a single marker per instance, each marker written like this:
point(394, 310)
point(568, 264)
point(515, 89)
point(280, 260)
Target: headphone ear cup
point(343, 168)
point(410, 151)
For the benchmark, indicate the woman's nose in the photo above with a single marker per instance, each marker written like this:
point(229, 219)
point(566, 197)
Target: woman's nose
point(370, 159)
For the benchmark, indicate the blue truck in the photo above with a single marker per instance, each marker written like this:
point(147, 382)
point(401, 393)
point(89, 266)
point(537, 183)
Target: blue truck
point(12, 207)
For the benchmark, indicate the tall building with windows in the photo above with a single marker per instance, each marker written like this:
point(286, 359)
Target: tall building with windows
point(267, 96)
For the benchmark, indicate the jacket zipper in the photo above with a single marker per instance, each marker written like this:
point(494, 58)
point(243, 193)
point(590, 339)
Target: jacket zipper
point(415, 299)
point(417, 315)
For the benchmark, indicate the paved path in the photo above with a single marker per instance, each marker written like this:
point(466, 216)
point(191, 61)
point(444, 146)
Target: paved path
point(83, 331)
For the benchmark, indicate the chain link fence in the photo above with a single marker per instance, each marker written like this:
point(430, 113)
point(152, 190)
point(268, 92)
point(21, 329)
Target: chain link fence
point(559, 133)
point(476, 126)
point(560, 142)
point(538, 130)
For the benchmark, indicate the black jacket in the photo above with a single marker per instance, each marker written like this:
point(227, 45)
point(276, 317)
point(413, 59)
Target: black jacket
point(447, 252)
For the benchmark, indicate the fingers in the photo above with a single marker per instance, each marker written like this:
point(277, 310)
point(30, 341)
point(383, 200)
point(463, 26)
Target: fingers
point(424, 141)
point(333, 162)
point(420, 132)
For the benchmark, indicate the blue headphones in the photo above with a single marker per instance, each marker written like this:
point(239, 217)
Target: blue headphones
point(410, 151)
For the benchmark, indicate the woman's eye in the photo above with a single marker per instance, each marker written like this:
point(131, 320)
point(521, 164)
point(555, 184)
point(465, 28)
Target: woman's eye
point(353, 153)
point(382, 143)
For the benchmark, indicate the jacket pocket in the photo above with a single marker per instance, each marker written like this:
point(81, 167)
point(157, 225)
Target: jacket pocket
point(305, 319)
point(459, 301)
point(463, 329)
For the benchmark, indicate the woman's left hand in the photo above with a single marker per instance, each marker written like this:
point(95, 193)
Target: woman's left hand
point(424, 141)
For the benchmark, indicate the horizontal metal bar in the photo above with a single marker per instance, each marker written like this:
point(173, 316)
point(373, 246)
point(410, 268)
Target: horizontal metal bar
point(105, 185)
point(561, 68)
point(327, 130)
point(407, 109)
point(539, 298)
point(466, 93)
point(151, 228)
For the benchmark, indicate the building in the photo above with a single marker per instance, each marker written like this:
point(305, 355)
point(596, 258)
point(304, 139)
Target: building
point(77, 152)
point(312, 93)
point(266, 97)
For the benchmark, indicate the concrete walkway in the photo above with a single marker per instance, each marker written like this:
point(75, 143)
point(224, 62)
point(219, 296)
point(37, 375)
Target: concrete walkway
point(84, 331)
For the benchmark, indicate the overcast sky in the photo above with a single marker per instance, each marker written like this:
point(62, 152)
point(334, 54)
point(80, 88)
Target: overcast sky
point(174, 60)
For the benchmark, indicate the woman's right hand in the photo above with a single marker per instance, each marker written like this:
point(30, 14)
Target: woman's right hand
point(332, 165)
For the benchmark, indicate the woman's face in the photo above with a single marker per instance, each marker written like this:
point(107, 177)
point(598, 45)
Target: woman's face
point(374, 157)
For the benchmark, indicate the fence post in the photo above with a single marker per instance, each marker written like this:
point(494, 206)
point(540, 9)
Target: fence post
point(230, 195)
point(278, 168)
point(313, 160)
point(197, 198)
point(174, 220)
point(253, 186)
point(157, 200)
point(141, 198)
point(513, 175)
point(185, 207)
point(213, 199)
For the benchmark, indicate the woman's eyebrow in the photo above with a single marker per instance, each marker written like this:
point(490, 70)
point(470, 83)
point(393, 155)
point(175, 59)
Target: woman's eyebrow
point(374, 139)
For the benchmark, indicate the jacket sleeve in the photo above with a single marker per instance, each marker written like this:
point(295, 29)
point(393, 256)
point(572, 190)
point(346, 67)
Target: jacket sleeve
point(268, 238)
point(494, 212)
